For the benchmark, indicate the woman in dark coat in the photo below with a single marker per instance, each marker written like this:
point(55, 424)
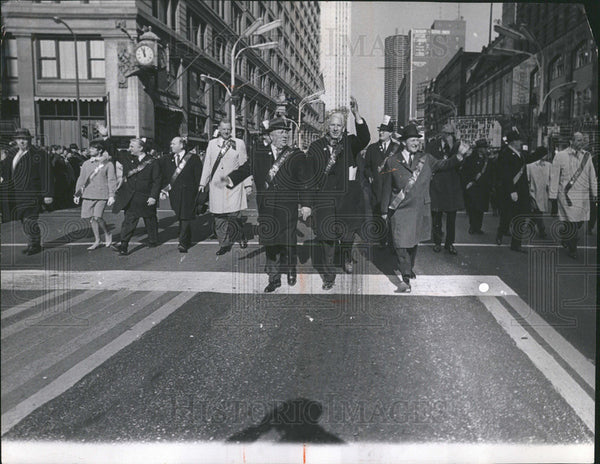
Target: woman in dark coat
point(476, 180)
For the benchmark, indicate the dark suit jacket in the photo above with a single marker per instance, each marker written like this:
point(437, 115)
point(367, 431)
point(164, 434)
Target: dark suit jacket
point(334, 197)
point(133, 194)
point(445, 188)
point(185, 188)
point(508, 165)
point(31, 181)
point(277, 204)
point(373, 160)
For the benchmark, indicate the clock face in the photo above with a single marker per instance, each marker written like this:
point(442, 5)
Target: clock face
point(144, 55)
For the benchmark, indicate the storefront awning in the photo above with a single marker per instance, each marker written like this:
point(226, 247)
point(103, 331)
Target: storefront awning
point(85, 99)
point(10, 97)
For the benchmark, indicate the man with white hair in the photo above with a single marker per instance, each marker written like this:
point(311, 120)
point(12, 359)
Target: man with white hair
point(572, 183)
point(334, 191)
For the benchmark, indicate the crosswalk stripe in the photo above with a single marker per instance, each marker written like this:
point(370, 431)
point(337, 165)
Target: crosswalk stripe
point(26, 372)
point(47, 313)
point(46, 297)
point(243, 283)
point(65, 381)
point(567, 387)
point(583, 366)
point(349, 453)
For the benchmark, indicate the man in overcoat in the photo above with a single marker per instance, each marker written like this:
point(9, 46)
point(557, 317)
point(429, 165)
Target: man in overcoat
point(279, 176)
point(514, 187)
point(335, 193)
point(181, 174)
point(405, 198)
point(223, 155)
point(28, 182)
point(376, 154)
point(445, 191)
point(573, 183)
point(138, 194)
point(475, 175)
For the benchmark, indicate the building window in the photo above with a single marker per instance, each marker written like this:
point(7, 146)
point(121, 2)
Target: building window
point(160, 9)
point(57, 59)
point(9, 52)
point(557, 67)
point(173, 9)
point(582, 55)
point(219, 49)
point(196, 31)
point(237, 18)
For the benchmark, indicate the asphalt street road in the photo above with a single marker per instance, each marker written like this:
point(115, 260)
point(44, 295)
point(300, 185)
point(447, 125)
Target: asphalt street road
point(492, 346)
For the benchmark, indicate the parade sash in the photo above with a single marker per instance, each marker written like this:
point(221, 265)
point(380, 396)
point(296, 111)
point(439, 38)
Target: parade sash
point(337, 149)
point(401, 195)
point(227, 144)
point(202, 195)
point(478, 176)
point(518, 175)
point(284, 155)
point(94, 173)
point(137, 169)
point(392, 153)
point(178, 170)
point(575, 176)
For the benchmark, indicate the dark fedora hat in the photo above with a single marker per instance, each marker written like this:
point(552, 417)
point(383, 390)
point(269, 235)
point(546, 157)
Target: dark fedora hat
point(21, 133)
point(481, 143)
point(99, 143)
point(410, 131)
point(513, 134)
point(278, 123)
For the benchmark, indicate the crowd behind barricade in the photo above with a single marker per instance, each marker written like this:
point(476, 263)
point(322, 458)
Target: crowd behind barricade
point(393, 193)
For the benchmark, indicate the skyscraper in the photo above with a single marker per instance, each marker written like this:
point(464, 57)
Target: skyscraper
point(335, 54)
point(396, 65)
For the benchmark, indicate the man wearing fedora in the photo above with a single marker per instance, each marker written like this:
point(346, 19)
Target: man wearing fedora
point(374, 158)
point(476, 180)
point(29, 184)
point(514, 187)
point(445, 191)
point(405, 198)
point(279, 176)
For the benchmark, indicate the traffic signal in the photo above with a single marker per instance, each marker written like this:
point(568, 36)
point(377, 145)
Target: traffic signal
point(96, 132)
point(84, 132)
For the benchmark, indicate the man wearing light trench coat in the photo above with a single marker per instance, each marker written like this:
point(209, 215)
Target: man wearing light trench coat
point(226, 204)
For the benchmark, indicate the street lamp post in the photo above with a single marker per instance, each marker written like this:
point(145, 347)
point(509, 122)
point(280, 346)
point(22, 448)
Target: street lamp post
point(305, 101)
point(256, 28)
point(59, 20)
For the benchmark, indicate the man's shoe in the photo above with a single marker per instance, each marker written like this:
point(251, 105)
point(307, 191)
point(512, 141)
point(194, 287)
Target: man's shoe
point(272, 286)
point(120, 248)
point(451, 249)
point(518, 249)
point(471, 231)
point(152, 244)
point(437, 248)
point(404, 287)
point(182, 249)
point(498, 240)
point(292, 277)
point(573, 254)
point(224, 250)
point(413, 275)
point(479, 232)
point(32, 250)
point(244, 243)
point(328, 284)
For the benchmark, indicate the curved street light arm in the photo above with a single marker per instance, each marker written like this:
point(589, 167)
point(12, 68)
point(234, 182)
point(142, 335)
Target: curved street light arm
point(206, 76)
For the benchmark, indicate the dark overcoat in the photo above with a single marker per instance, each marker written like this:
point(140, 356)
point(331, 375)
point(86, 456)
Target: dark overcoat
point(477, 196)
point(373, 161)
point(507, 166)
point(26, 187)
point(411, 222)
point(445, 190)
point(337, 202)
point(133, 194)
point(185, 188)
point(278, 203)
